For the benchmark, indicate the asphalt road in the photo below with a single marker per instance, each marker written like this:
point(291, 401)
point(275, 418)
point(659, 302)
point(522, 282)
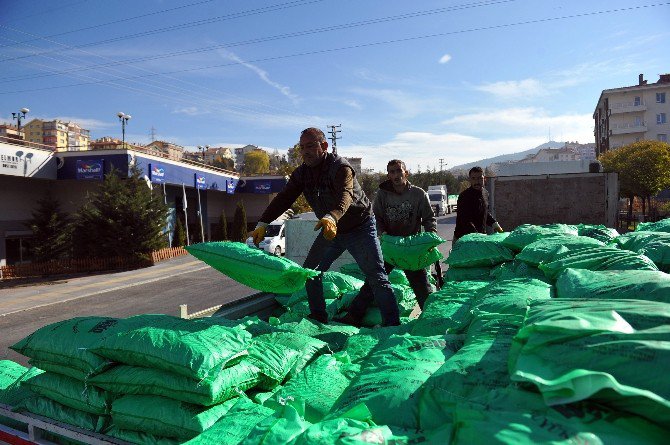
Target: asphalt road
point(159, 289)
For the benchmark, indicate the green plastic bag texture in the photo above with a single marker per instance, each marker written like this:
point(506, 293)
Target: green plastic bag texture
point(71, 392)
point(614, 284)
point(511, 297)
point(10, 372)
point(659, 226)
point(253, 267)
point(653, 245)
point(192, 348)
point(525, 234)
point(391, 376)
point(165, 417)
point(281, 428)
point(545, 250)
point(212, 390)
point(602, 258)
point(479, 250)
point(517, 269)
point(274, 361)
point(468, 273)
point(46, 407)
point(15, 393)
point(414, 252)
point(613, 352)
point(139, 437)
point(358, 347)
point(599, 232)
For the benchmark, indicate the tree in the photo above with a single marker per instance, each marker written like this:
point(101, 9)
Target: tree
point(643, 168)
point(239, 230)
point(179, 237)
point(256, 162)
point(293, 156)
point(122, 218)
point(225, 163)
point(221, 233)
point(52, 233)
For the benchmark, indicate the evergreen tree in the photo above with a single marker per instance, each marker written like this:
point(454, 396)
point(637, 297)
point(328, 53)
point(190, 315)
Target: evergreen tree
point(52, 233)
point(239, 229)
point(179, 237)
point(221, 234)
point(121, 218)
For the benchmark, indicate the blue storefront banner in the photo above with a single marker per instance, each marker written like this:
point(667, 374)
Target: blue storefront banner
point(90, 169)
point(157, 173)
point(200, 181)
point(262, 187)
point(230, 186)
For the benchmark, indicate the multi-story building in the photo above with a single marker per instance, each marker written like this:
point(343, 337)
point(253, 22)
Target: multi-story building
point(586, 152)
point(172, 151)
point(61, 136)
point(553, 155)
point(630, 114)
point(239, 155)
point(8, 131)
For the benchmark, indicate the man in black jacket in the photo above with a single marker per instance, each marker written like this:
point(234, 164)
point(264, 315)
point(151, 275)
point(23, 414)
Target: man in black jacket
point(345, 217)
point(473, 207)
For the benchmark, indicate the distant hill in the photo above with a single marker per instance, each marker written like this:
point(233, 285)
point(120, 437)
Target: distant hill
point(508, 157)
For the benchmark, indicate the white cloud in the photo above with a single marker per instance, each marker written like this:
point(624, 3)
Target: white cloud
point(405, 105)
point(515, 89)
point(190, 111)
point(86, 123)
point(262, 74)
point(444, 59)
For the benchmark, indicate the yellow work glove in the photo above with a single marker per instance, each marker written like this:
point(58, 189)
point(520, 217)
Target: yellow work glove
point(258, 235)
point(329, 227)
point(497, 228)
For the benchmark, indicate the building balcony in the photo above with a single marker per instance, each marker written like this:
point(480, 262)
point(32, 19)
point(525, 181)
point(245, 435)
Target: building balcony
point(627, 107)
point(627, 128)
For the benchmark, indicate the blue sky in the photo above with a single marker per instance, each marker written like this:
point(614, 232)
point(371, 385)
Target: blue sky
point(421, 81)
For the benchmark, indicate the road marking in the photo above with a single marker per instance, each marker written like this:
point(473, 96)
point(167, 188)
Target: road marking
point(124, 286)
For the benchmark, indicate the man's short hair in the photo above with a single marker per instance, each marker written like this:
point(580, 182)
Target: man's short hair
point(396, 162)
point(476, 169)
point(315, 133)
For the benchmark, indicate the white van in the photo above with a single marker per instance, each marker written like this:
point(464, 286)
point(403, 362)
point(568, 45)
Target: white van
point(437, 194)
point(275, 238)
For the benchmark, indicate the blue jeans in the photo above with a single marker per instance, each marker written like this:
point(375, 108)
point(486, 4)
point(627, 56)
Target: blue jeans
point(363, 245)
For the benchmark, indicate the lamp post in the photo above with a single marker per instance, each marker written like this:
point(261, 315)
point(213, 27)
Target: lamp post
point(124, 118)
point(21, 114)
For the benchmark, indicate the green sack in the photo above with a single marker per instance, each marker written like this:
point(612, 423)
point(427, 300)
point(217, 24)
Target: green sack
point(15, 393)
point(602, 258)
point(599, 232)
point(478, 250)
point(347, 432)
point(253, 267)
point(308, 348)
point(517, 269)
point(391, 376)
point(281, 428)
point(165, 417)
point(525, 234)
point(511, 297)
point(577, 423)
point(404, 295)
point(334, 334)
point(56, 368)
point(334, 285)
point(273, 360)
point(653, 245)
point(454, 274)
point(212, 390)
point(414, 252)
point(232, 428)
point(476, 369)
point(448, 310)
point(358, 347)
point(69, 342)
point(319, 385)
point(46, 407)
point(612, 352)
point(70, 392)
point(301, 310)
point(396, 276)
point(192, 348)
point(614, 284)
point(545, 250)
point(10, 372)
point(659, 226)
point(139, 437)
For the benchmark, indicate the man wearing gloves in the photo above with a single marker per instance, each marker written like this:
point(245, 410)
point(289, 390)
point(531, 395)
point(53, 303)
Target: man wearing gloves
point(401, 209)
point(345, 219)
point(473, 207)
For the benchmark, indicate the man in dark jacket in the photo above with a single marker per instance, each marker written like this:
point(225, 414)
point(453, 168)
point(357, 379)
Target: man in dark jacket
point(473, 207)
point(401, 209)
point(331, 189)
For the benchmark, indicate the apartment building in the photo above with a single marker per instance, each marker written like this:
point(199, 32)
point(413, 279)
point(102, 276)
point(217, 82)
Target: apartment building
point(61, 136)
point(8, 131)
point(172, 151)
point(634, 113)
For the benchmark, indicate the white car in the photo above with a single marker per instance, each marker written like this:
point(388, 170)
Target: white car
point(274, 241)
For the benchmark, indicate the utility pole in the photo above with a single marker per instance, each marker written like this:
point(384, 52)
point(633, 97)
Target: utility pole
point(153, 134)
point(333, 136)
point(441, 163)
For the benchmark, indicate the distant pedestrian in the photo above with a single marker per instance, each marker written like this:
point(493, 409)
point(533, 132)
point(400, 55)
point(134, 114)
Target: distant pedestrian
point(473, 207)
point(345, 217)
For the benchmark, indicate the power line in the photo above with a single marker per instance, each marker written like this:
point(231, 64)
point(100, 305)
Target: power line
point(276, 37)
point(365, 45)
point(334, 129)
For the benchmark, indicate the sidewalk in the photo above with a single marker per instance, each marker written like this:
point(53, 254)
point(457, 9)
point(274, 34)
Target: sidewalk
point(44, 293)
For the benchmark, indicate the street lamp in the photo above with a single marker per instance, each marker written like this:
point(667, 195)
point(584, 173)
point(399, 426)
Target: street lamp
point(203, 149)
point(124, 118)
point(20, 115)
